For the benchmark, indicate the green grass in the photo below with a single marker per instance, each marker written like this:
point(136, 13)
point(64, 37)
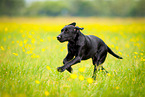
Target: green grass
point(19, 73)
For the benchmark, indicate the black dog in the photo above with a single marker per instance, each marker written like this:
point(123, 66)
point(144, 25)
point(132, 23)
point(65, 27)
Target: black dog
point(83, 47)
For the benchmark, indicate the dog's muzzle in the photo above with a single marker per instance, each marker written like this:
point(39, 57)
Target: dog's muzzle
point(58, 37)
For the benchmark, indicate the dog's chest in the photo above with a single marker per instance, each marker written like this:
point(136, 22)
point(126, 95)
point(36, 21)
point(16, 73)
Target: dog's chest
point(74, 49)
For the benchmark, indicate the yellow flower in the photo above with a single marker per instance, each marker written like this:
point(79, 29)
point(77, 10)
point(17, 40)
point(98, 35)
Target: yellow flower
point(46, 93)
point(117, 87)
point(37, 56)
point(112, 46)
point(61, 50)
point(82, 69)
point(41, 40)
point(143, 60)
point(73, 76)
point(81, 78)
point(23, 49)
point(32, 32)
point(120, 53)
point(90, 80)
point(54, 38)
point(13, 42)
point(21, 31)
point(23, 35)
point(15, 54)
point(43, 49)
point(29, 36)
point(33, 56)
point(134, 56)
point(6, 29)
point(21, 44)
point(25, 41)
point(37, 81)
point(17, 41)
point(100, 70)
point(4, 39)
point(116, 47)
point(29, 52)
point(2, 48)
point(33, 41)
point(141, 53)
point(48, 67)
point(135, 53)
point(108, 74)
point(31, 49)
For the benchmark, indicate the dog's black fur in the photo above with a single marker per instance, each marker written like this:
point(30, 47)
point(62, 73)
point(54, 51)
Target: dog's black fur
point(83, 47)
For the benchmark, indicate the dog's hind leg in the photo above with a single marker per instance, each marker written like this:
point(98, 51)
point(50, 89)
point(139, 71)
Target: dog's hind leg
point(94, 72)
point(103, 69)
point(96, 64)
point(102, 59)
point(99, 59)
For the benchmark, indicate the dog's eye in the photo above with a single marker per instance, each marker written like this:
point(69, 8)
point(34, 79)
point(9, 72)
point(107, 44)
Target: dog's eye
point(66, 30)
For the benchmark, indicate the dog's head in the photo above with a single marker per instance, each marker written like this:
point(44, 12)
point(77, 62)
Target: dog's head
point(69, 32)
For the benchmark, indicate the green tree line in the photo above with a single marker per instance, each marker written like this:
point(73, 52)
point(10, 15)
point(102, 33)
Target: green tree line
point(122, 8)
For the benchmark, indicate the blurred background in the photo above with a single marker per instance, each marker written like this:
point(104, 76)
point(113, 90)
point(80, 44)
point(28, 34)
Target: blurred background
point(83, 8)
point(30, 52)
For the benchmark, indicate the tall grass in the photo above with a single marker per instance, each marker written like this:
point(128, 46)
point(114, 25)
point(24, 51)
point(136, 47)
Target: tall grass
point(30, 54)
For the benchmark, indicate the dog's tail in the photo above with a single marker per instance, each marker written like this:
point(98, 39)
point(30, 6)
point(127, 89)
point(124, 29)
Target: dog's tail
point(112, 53)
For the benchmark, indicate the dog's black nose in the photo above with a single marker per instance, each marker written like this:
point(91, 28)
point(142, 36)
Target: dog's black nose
point(58, 37)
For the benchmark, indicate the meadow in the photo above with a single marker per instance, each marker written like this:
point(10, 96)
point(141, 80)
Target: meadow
point(30, 54)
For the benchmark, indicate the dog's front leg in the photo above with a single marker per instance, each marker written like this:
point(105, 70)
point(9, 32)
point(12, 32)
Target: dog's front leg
point(67, 59)
point(69, 64)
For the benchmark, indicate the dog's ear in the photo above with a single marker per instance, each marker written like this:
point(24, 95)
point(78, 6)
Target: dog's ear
point(74, 24)
point(78, 28)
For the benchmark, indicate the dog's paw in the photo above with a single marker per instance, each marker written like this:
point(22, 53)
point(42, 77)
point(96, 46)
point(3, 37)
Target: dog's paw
point(94, 77)
point(70, 69)
point(60, 69)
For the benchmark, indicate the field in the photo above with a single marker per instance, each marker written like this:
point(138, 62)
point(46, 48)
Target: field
point(30, 54)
